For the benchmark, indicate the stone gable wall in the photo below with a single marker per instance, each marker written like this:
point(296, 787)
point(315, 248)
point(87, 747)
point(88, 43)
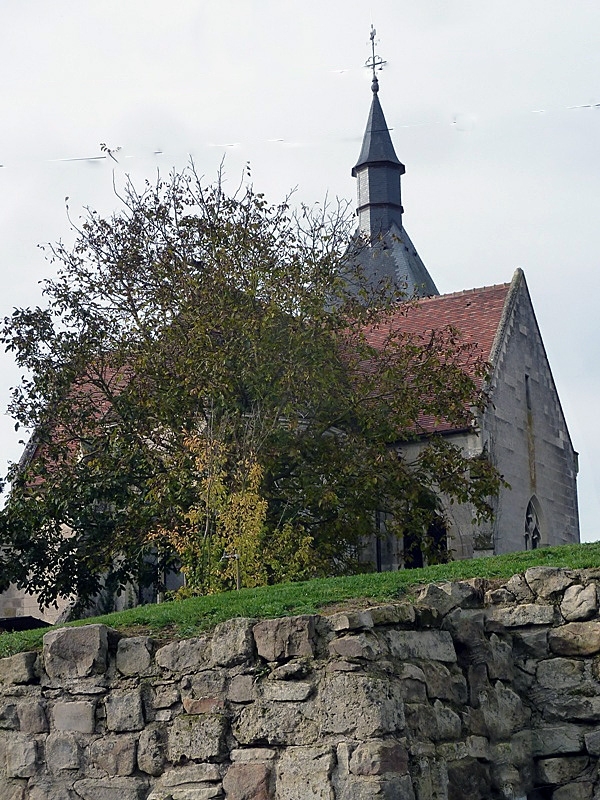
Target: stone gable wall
point(468, 693)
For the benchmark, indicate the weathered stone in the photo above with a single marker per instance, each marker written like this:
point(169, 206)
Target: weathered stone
point(575, 639)
point(580, 790)
point(411, 683)
point(32, 717)
point(253, 755)
point(290, 637)
point(192, 782)
point(76, 652)
point(430, 776)
point(469, 779)
point(203, 705)
point(199, 738)
point(376, 706)
point(165, 695)
point(286, 691)
point(500, 715)
point(518, 586)
point(305, 772)
point(124, 711)
point(557, 771)
point(393, 614)
point(9, 715)
point(530, 643)
point(134, 655)
point(63, 751)
point(428, 645)
point(444, 683)
point(151, 750)
point(206, 683)
point(548, 582)
point(521, 615)
point(184, 656)
point(500, 663)
point(579, 603)
point(282, 724)
point(358, 787)
point(241, 689)
point(114, 754)
point(21, 757)
point(112, 788)
point(561, 707)
point(559, 673)
point(233, 642)
point(592, 742)
point(448, 722)
point(20, 668)
point(439, 597)
point(247, 782)
point(13, 789)
point(350, 621)
point(78, 715)
point(378, 757)
point(500, 596)
point(357, 646)
point(550, 740)
point(291, 670)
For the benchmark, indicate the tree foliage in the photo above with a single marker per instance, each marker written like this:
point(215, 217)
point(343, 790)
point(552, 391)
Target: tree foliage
point(210, 376)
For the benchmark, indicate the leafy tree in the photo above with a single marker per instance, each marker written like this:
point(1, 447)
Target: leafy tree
point(211, 377)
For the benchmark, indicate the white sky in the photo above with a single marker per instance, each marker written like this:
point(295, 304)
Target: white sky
point(502, 170)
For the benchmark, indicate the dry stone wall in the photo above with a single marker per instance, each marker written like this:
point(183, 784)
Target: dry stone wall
point(470, 692)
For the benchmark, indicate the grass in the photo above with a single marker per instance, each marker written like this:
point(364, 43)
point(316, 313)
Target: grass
point(176, 620)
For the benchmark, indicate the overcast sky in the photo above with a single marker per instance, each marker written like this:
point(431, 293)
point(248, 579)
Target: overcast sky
point(494, 106)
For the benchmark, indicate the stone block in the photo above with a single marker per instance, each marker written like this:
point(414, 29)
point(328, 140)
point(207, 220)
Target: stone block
point(114, 755)
point(63, 751)
point(518, 586)
point(575, 639)
point(198, 738)
point(426, 645)
point(530, 643)
point(191, 782)
point(281, 724)
point(592, 742)
point(241, 689)
point(444, 683)
point(32, 717)
point(78, 715)
point(521, 615)
point(9, 715)
point(71, 653)
point(364, 646)
point(112, 788)
point(469, 779)
point(379, 757)
point(290, 637)
point(393, 614)
point(165, 695)
point(206, 683)
point(124, 711)
point(51, 789)
point(448, 722)
point(203, 705)
point(581, 790)
point(430, 777)
point(20, 668)
point(305, 772)
point(21, 757)
point(500, 663)
point(350, 621)
point(286, 691)
point(184, 656)
point(557, 771)
point(253, 755)
point(134, 655)
point(579, 603)
point(548, 582)
point(376, 707)
point(233, 642)
point(559, 674)
point(358, 787)
point(13, 789)
point(248, 782)
point(151, 750)
point(548, 740)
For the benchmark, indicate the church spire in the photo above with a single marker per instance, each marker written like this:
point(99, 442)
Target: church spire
point(378, 172)
point(378, 168)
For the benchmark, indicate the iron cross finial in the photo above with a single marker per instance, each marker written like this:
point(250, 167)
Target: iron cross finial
point(375, 62)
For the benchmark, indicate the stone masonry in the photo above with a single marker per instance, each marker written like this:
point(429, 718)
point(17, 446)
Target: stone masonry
point(468, 692)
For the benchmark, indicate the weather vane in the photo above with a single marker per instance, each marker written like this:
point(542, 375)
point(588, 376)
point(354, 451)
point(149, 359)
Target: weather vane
point(375, 62)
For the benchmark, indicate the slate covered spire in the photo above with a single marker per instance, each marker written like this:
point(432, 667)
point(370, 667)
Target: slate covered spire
point(391, 254)
point(378, 171)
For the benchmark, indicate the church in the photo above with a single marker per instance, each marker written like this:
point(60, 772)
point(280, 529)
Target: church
point(523, 430)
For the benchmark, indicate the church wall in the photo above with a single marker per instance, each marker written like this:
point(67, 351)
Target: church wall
point(526, 434)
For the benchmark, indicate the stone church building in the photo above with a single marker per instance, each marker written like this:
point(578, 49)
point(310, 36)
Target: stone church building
point(523, 431)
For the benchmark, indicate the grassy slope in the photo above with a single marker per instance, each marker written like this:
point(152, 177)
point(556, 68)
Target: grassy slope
point(190, 617)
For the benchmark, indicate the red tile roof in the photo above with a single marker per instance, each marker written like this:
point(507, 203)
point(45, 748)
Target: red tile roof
point(475, 313)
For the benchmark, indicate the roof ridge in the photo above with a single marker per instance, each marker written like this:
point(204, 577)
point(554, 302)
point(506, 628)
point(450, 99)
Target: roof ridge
point(464, 292)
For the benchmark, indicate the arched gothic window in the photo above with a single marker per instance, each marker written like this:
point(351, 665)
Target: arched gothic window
point(533, 532)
